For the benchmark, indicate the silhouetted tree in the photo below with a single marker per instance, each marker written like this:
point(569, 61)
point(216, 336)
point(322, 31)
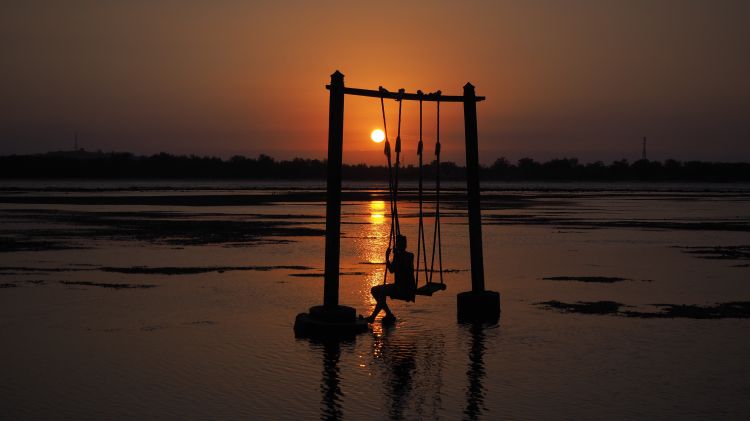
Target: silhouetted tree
point(83, 164)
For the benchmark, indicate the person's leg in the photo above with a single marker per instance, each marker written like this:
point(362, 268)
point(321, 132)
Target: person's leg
point(378, 293)
point(388, 291)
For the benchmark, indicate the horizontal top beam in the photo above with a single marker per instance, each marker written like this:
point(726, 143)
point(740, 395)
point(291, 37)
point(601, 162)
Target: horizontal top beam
point(433, 96)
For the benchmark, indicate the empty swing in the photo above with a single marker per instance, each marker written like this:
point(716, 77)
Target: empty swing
point(429, 287)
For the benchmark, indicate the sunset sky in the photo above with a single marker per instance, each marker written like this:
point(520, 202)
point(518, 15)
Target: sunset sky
point(584, 79)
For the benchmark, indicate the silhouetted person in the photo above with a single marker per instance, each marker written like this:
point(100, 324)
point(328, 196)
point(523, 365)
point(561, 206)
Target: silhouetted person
point(404, 286)
point(399, 360)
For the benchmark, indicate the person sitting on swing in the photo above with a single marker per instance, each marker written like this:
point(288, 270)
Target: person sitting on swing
point(404, 286)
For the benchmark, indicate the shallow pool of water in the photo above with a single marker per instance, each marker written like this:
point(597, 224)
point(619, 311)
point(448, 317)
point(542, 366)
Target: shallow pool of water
point(99, 319)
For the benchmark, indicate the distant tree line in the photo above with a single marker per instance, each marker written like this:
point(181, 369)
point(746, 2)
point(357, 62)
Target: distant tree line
point(97, 165)
point(644, 170)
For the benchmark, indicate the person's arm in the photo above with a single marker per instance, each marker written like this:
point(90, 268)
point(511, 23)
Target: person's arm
point(388, 263)
point(410, 269)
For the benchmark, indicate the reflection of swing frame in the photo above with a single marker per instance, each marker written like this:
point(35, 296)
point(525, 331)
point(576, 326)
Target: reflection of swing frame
point(475, 305)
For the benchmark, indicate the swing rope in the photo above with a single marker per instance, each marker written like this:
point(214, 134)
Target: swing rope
point(392, 178)
point(421, 243)
point(436, 230)
point(398, 160)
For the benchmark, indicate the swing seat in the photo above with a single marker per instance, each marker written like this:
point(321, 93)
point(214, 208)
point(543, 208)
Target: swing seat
point(430, 288)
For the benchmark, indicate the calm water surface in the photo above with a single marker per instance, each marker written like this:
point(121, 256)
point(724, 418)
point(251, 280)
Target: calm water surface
point(200, 326)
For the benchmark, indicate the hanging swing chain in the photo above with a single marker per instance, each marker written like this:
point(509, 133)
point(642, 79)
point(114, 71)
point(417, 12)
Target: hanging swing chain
point(436, 232)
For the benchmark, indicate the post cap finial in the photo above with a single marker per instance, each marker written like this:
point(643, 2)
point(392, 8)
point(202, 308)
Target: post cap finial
point(337, 75)
point(468, 86)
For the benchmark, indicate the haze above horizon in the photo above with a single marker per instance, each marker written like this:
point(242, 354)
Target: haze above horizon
point(582, 78)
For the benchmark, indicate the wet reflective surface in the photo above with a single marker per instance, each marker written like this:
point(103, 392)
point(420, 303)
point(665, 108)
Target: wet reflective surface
point(142, 308)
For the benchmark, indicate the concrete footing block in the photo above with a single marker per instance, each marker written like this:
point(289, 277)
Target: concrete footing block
point(478, 307)
point(329, 322)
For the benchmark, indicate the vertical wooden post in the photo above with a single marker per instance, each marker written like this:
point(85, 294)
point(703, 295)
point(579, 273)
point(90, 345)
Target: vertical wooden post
point(333, 195)
point(477, 305)
point(472, 188)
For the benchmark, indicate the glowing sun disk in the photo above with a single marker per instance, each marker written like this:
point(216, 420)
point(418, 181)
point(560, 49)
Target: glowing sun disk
point(377, 135)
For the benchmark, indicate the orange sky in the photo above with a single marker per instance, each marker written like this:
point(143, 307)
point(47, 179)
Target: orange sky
point(574, 78)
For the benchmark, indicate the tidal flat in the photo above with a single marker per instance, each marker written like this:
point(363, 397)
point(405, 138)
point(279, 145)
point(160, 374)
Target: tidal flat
point(131, 299)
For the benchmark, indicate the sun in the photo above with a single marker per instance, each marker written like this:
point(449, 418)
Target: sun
point(377, 135)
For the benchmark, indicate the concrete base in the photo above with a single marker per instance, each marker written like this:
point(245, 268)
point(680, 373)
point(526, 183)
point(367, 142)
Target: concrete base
point(478, 307)
point(329, 322)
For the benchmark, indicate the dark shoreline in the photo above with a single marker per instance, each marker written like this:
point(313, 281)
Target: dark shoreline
point(81, 164)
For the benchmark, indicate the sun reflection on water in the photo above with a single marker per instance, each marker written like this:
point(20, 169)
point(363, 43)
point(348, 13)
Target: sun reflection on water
point(373, 240)
point(377, 212)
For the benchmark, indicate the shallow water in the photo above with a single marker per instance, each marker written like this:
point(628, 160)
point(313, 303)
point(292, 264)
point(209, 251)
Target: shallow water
point(218, 343)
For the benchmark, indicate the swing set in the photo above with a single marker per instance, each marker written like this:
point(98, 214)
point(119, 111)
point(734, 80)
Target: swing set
point(476, 305)
point(429, 287)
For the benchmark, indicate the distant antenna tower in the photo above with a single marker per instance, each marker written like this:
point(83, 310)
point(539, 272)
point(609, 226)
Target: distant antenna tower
point(643, 154)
